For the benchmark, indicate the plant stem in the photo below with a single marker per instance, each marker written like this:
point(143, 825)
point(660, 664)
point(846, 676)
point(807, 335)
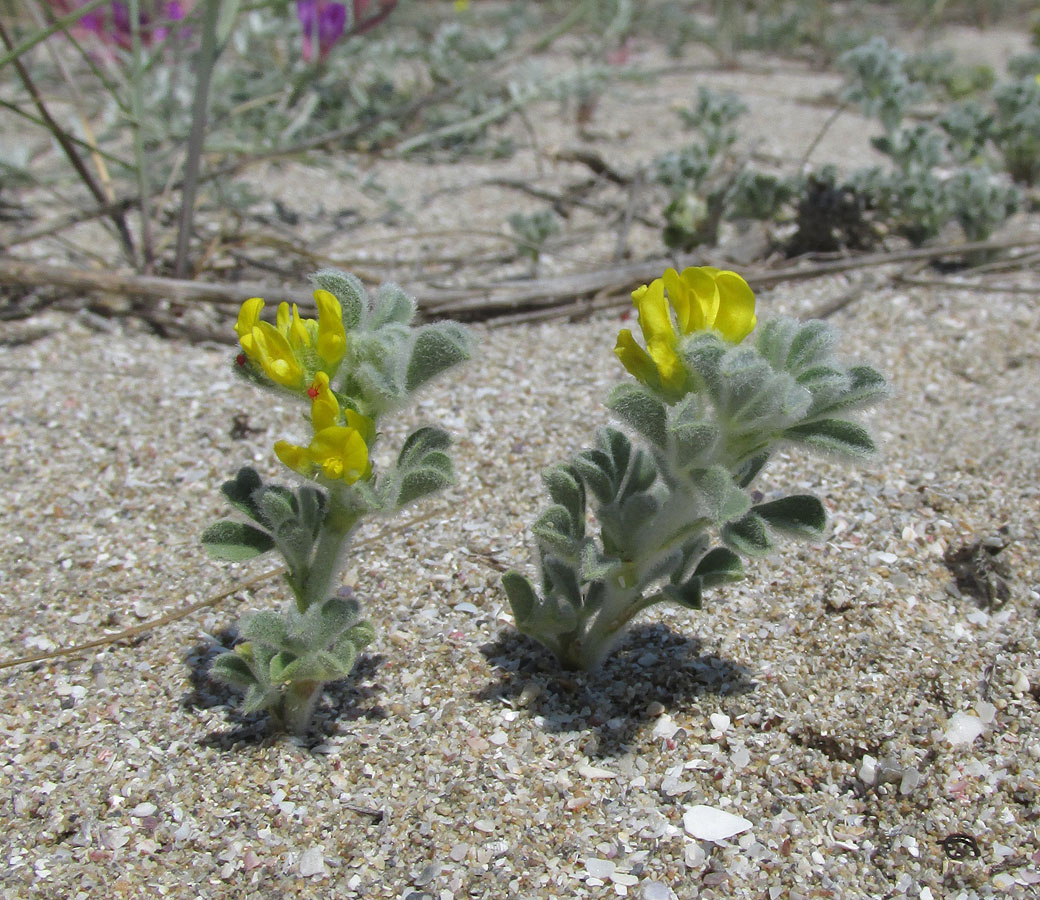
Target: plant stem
point(137, 110)
point(324, 567)
point(298, 705)
point(207, 58)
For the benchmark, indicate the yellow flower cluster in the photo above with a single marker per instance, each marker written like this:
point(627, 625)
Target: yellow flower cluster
point(290, 351)
point(338, 452)
point(301, 354)
point(700, 299)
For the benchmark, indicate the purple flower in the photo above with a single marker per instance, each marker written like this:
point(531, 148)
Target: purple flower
point(111, 24)
point(321, 19)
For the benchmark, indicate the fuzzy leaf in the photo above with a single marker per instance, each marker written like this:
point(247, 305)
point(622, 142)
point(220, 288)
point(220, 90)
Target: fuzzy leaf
point(642, 473)
point(726, 500)
point(417, 483)
point(345, 655)
point(312, 503)
point(391, 304)
point(437, 347)
point(277, 505)
point(618, 448)
point(866, 386)
point(563, 580)
point(688, 594)
point(811, 346)
point(240, 492)
point(323, 624)
point(637, 407)
point(596, 566)
point(346, 288)
point(277, 666)
point(265, 627)
point(693, 441)
point(747, 471)
point(566, 490)
point(635, 513)
point(596, 471)
point(232, 669)
point(235, 541)
point(800, 514)
point(361, 635)
point(719, 566)
point(833, 436)
point(420, 442)
point(521, 595)
point(553, 528)
point(748, 535)
point(258, 697)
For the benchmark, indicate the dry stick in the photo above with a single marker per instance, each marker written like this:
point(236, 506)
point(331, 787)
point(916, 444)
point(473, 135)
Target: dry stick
point(181, 613)
point(483, 300)
point(68, 147)
point(953, 285)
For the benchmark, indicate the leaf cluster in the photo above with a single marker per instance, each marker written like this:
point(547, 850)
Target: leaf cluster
point(387, 358)
point(658, 506)
point(283, 658)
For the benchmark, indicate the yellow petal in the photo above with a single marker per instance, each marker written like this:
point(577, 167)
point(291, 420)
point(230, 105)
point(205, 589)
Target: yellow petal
point(669, 366)
point(276, 356)
point(704, 293)
point(736, 318)
point(341, 453)
point(296, 458)
point(363, 424)
point(324, 406)
point(635, 359)
point(332, 336)
point(281, 319)
point(654, 317)
point(248, 316)
point(299, 333)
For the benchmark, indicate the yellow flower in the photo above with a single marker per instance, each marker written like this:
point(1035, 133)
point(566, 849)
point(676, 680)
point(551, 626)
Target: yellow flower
point(276, 356)
point(700, 299)
point(248, 317)
point(337, 452)
point(286, 350)
point(332, 336)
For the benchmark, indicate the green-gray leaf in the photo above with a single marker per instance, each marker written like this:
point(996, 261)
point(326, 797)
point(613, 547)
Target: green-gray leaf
point(800, 514)
point(417, 483)
point(641, 410)
point(521, 594)
point(240, 492)
point(748, 535)
point(232, 669)
point(436, 348)
point(833, 436)
point(719, 566)
point(235, 541)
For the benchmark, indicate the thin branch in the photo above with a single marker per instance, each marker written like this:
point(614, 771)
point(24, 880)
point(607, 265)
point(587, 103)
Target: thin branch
point(69, 148)
point(207, 58)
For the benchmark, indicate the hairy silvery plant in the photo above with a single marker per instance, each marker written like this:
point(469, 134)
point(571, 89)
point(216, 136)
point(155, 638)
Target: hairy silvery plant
point(674, 512)
point(361, 360)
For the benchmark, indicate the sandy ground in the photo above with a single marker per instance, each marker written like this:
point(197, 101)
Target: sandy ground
point(822, 699)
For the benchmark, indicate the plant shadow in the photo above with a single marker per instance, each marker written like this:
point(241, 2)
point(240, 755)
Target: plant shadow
point(342, 701)
point(653, 663)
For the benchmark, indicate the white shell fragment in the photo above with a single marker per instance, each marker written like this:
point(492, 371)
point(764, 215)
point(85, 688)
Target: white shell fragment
point(312, 862)
point(963, 728)
point(709, 824)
